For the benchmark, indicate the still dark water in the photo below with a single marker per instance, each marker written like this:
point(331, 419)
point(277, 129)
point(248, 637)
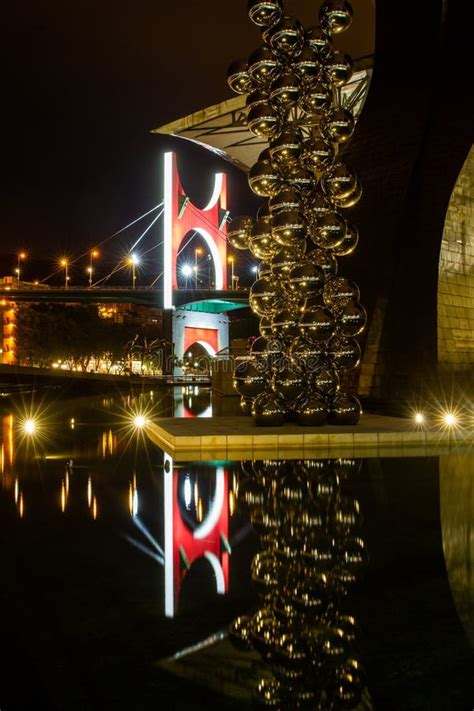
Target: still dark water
point(125, 558)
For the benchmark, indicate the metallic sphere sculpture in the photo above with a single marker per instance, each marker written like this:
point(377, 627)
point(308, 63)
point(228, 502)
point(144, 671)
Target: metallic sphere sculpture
point(309, 314)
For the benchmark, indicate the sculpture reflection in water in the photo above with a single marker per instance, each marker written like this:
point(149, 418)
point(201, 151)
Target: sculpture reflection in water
point(309, 316)
point(312, 554)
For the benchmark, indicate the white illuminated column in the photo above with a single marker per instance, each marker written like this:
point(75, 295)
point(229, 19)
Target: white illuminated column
point(168, 233)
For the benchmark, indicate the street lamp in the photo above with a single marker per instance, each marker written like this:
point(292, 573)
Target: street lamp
point(64, 264)
point(21, 256)
point(231, 261)
point(133, 261)
point(197, 251)
point(94, 254)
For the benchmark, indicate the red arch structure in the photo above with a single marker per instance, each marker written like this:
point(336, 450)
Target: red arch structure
point(182, 216)
point(183, 546)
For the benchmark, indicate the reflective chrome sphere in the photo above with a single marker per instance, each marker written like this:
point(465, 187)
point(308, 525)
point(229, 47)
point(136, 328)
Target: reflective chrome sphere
point(317, 98)
point(285, 150)
point(351, 319)
point(264, 12)
point(306, 279)
point(263, 179)
point(261, 242)
point(289, 384)
point(307, 356)
point(267, 694)
point(265, 326)
point(249, 379)
point(345, 410)
point(238, 77)
point(285, 90)
point(351, 199)
point(326, 382)
point(300, 178)
point(264, 296)
point(338, 125)
point(339, 181)
point(267, 411)
point(349, 243)
point(313, 412)
point(285, 259)
point(286, 199)
point(239, 633)
point(319, 41)
point(285, 324)
point(238, 232)
point(246, 405)
point(335, 16)
point(263, 121)
point(263, 213)
point(338, 68)
point(264, 571)
point(287, 37)
point(255, 98)
point(326, 260)
point(340, 290)
point(344, 352)
point(317, 325)
point(330, 230)
point(307, 65)
point(262, 65)
point(289, 228)
point(318, 154)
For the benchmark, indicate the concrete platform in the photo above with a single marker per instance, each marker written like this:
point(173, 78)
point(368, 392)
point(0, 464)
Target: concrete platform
point(234, 438)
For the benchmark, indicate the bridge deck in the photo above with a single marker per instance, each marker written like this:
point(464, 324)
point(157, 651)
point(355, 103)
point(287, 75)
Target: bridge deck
point(233, 438)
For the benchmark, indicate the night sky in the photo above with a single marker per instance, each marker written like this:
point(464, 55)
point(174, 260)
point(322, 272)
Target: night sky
point(83, 84)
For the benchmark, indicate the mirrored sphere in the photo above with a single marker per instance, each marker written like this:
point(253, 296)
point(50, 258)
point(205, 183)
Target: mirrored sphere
point(287, 37)
point(238, 77)
point(267, 411)
point(351, 199)
point(306, 279)
point(351, 319)
point(338, 125)
point(263, 213)
point(316, 98)
point(318, 154)
point(330, 230)
point(335, 16)
point(325, 259)
point(289, 384)
point(286, 199)
point(326, 382)
point(246, 405)
point(249, 379)
point(300, 178)
point(289, 228)
point(285, 324)
point(285, 150)
point(340, 290)
point(349, 243)
point(307, 356)
point(339, 181)
point(285, 259)
point(261, 65)
point(346, 410)
point(313, 412)
point(338, 68)
point(307, 65)
point(285, 90)
point(265, 326)
point(317, 324)
point(319, 41)
point(344, 352)
point(238, 232)
point(264, 296)
point(263, 179)
point(264, 12)
point(255, 98)
point(261, 242)
point(263, 120)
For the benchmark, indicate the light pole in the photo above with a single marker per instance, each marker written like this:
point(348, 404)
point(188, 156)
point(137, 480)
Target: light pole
point(197, 251)
point(231, 261)
point(65, 265)
point(133, 261)
point(93, 255)
point(21, 256)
